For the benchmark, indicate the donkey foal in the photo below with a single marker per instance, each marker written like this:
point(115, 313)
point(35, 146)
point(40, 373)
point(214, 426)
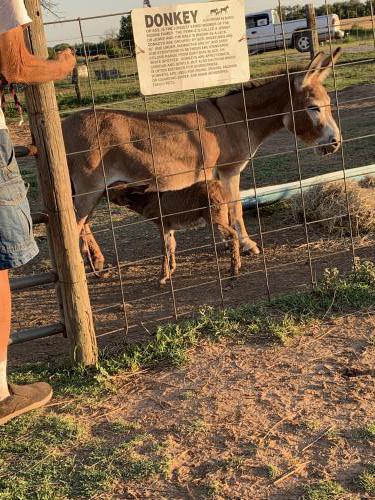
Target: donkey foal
point(181, 208)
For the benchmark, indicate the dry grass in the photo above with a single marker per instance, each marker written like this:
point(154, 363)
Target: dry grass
point(329, 204)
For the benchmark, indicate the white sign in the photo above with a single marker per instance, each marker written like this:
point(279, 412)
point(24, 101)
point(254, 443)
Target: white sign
point(187, 46)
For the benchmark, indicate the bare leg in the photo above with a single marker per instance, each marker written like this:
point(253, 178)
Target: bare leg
point(231, 184)
point(5, 315)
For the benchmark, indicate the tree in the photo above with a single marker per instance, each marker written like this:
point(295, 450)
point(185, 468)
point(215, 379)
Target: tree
point(125, 35)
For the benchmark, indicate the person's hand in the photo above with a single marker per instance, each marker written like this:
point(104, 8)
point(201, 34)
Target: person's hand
point(67, 60)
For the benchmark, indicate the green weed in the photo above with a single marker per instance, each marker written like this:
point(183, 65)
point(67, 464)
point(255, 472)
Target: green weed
point(366, 480)
point(367, 432)
point(273, 472)
point(324, 490)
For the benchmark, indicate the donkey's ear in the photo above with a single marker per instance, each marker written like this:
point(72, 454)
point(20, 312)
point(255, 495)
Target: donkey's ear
point(328, 64)
point(315, 63)
point(304, 77)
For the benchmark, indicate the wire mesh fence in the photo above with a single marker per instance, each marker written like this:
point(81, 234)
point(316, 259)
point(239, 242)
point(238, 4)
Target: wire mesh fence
point(169, 141)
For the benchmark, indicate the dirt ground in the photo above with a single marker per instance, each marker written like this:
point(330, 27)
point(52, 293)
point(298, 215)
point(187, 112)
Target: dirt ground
point(239, 417)
point(128, 308)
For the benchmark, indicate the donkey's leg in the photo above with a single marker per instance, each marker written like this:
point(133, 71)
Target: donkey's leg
point(93, 249)
point(84, 205)
point(231, 183)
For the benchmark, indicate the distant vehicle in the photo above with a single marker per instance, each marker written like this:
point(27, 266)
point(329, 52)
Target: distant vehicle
point(265, 31)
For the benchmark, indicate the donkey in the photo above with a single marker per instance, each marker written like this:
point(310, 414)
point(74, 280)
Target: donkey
point(173, 149)
point(180, 209)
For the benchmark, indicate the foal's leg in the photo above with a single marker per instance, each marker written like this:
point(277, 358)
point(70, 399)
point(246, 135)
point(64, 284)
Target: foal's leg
point(230, 235)
point(165, 272)
point(172, 251)
point(231, 184)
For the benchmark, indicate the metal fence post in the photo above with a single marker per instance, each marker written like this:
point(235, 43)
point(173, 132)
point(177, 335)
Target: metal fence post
point(57, 196)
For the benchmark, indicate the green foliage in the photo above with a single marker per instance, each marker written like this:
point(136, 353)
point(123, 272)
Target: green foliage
point(324, 490)
point(61, 46)
point(345, 10)
point(55, 457)
point(273, 472)
point(126, 31)
point(368, 432)
point(366, 480)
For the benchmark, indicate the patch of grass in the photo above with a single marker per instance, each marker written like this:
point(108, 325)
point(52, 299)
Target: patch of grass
point(324, 490)
point(55, 457)
point(366, 480)
point(367, 432)
point(41, 443)
point(273, 472)
point(334, 437)
point(194, 426)
point(311, 425)
point(213, 489)
point(285, 329)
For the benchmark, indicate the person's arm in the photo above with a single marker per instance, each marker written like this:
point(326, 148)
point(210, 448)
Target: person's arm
point(19, 66)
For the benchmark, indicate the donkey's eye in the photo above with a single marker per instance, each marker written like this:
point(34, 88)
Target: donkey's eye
point(314, 108)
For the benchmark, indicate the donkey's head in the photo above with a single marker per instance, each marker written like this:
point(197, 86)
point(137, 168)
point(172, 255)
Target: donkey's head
point(313, 118)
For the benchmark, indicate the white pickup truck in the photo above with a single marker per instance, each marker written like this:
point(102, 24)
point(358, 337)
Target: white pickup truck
point(265, 31)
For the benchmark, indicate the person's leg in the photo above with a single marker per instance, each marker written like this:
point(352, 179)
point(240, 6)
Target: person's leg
point(5, 308)
point(17, 247)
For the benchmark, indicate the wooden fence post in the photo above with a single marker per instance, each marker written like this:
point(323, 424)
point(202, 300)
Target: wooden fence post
point(312, 29)
point(57, 197)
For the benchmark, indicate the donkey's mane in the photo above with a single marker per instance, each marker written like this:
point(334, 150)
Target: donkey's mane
point(276, 75)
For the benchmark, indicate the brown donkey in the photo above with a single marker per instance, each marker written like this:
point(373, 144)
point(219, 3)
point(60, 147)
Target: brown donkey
point(180, 209)
point(180, 147)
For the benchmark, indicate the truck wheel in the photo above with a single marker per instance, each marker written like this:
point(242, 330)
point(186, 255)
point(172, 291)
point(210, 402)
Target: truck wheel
point(302, 42)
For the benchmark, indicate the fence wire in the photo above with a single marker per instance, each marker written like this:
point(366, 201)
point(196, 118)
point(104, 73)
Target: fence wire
point(129, 297)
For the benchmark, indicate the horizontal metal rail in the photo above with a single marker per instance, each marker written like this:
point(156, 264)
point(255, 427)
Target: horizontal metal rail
point(21, 151)
point(39, 218)
point(272, 194)
point(39, 332)
point(33, 280)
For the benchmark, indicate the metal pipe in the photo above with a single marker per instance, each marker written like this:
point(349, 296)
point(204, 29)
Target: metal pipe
point(36, 333)
point(33, 280)
point(273, 194)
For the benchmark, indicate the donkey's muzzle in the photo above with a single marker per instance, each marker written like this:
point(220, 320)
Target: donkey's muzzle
point(330, 147)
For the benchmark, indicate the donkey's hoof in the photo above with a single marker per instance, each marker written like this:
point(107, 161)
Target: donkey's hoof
point(107, 272)
point(103, 271)
point(249, 248)
point(98, 265)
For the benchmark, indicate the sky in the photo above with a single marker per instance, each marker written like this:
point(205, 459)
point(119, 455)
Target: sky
point(94, 30)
